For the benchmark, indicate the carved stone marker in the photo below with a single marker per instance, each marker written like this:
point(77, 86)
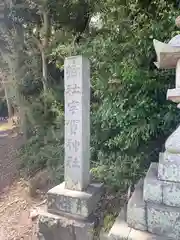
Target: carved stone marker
point(77, 124)
point(72, 203)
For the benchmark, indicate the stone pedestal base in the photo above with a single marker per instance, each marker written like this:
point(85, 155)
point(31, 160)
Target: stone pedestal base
point(69, 213)
point(54, 227)
point(75, 204)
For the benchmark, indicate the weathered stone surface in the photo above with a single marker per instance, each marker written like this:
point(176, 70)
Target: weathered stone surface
point(162, 192)
point(75, 203)
point(53, 227)
point(152, 191)
point(136, 209)
point(171, 194)
point(169, 167)
point(172, 144)
point(163, 220)
point(77, 122)
point(120, 230)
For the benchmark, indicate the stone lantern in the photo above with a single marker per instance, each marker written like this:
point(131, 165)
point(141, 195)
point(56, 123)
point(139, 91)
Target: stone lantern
point(168, 57)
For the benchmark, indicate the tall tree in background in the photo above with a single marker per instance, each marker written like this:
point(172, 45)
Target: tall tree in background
point(11, 50)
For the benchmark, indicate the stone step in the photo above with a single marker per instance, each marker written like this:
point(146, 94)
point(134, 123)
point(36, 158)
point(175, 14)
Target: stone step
point(169, 167)
point(163, 220)
point(137, 207)
point(161, 192)
point(121, 231)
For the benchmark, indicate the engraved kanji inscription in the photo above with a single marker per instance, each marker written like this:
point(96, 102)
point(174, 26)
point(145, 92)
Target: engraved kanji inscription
point(69, 161)
point(63, 204)
point(73, 145)
point(72, 162)
point(71, 89)
point(75, 163)
point(73, 124)
point(72, 71)
point(73, 106)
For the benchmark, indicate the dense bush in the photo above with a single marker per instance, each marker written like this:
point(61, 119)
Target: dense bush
point(132, 118)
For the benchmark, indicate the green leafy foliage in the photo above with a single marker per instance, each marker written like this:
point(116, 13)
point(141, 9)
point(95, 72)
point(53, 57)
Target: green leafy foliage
point(131, 118)
point(45, 146)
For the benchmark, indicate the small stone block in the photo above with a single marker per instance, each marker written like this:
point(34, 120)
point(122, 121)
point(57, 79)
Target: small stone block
point(137, 207)
point(54, 227)
point(120, 230)
point(169, 167)
point(161, 192)
point(152, 186)
point(171, 194)
point(77, 204)
point(163, 220)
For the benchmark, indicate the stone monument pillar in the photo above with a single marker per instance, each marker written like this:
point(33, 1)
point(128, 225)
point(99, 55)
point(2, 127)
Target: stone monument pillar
point(71, 204)
point(153, 211)
point(77, 124)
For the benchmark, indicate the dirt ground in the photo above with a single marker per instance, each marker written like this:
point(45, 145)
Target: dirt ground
point(15, 209)
point(15, 204)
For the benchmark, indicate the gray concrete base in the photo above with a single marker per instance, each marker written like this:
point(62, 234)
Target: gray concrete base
point(75, 204)
point(121, 231)
point(54, 227)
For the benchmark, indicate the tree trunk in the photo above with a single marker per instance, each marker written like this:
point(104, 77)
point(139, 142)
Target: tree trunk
point(44, 71)
point(8, 101)
point(45, 42)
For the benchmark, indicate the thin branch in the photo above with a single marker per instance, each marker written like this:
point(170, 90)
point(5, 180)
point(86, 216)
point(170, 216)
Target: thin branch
point(38, 43)
point(47, 29)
